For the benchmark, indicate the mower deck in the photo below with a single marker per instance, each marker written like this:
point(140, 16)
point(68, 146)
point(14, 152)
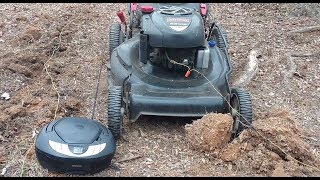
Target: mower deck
point(157, 91)
point(148, 100)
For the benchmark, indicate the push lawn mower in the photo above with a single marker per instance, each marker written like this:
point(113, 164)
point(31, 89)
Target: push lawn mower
point(175, 64)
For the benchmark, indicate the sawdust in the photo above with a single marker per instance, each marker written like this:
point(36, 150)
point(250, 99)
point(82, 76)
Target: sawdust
point(252, 152)
point(231, 152)
point(211, 132)
point(279, 171)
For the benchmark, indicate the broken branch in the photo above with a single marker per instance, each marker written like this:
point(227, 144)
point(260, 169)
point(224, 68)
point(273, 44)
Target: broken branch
point(306, 29)
point(305, 54)
point(129, 159)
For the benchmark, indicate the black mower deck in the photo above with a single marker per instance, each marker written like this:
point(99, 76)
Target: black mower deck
point(157, 91)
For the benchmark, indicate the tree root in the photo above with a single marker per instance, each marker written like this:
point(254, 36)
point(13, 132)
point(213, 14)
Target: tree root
point(251, 70)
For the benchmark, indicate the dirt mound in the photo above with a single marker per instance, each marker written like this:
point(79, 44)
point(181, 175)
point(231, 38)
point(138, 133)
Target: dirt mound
point(250, 151)
point(31, 35)
point(284, 131)
point(27, 63)
point(20, 69)
point(212, 131)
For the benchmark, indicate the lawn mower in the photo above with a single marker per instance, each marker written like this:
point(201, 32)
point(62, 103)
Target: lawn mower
point(169, 61)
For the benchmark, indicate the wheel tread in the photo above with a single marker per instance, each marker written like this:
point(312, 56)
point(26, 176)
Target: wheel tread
point(245, 106)
point(114, 111)
point(114, 37)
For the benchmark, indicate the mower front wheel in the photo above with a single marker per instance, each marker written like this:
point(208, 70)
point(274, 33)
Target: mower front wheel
point(115, 114)
point(116, 37)
point(241, 110)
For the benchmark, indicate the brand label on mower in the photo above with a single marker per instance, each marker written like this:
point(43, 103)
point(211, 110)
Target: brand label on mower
point(177, 23)
point(78, 150)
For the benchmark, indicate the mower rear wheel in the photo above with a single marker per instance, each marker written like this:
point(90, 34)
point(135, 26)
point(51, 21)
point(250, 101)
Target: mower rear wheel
point(225, 35)
point(241, 102)
point(116, 37)
point(115, 116)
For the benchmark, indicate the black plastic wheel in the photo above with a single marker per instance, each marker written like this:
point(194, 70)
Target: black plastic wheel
point(241, 101)
point(116, 37)
point(114, 111)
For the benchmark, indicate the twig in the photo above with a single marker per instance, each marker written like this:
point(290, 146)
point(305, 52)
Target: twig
point(25, 156)
point(306, 29)
point(129, 159)
point(305, 54)
point(46, 69)
point(292, 68)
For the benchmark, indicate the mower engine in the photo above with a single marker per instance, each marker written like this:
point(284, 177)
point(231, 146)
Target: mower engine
point(173, 33)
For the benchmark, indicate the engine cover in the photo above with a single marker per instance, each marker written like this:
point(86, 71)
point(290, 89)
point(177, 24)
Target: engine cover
point(174, 27)
point(75, 145)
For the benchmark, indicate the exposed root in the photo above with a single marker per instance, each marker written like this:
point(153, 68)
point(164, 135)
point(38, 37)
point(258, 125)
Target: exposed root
point(251, 70)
